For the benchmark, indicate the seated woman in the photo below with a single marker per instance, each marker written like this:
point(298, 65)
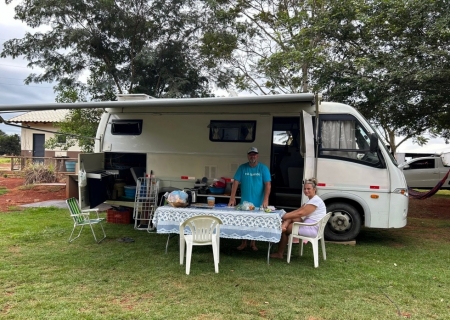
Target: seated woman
point(311, 212)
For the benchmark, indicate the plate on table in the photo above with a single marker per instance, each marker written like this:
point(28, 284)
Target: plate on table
point(200, 206)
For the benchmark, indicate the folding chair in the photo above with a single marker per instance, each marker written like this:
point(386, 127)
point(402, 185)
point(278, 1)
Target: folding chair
point(82, 218)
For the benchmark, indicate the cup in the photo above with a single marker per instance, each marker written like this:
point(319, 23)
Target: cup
point(211, 201)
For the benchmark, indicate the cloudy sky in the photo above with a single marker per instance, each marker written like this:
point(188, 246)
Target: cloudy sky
point(14, 71)
point(14, 91)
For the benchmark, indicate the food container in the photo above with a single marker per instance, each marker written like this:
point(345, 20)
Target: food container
point(178, 199)
point(215, 190)
point(211, 201)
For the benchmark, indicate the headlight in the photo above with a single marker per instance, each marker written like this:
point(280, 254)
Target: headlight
point(402, 191)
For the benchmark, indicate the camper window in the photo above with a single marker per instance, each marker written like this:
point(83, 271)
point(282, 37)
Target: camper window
point(126, 127)
point(230, 130)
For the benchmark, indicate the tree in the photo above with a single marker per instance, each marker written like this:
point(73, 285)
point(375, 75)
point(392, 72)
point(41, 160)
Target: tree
point(119, 41)
point(390, 59)
point(264, 46)
point(9, 144)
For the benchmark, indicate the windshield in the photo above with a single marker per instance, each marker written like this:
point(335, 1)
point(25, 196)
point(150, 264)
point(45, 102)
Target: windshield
point(391, 156)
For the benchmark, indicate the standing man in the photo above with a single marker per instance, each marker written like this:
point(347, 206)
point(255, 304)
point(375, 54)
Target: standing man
point(254, 178)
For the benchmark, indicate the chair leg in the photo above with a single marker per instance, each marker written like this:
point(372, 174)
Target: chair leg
point(182, 249)
point(93, 232)
point(324, 252)
point(215, 249)
point(300, 243)
point(79, 233)
point(315, 245)
point(289, 248)
point(188, 257)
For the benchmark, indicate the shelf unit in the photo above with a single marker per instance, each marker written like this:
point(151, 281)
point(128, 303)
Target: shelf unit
point(145, 203)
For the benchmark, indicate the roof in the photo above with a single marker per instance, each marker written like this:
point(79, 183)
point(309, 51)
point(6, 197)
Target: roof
point(41, 116)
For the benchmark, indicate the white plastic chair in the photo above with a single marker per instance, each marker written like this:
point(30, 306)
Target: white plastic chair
point(314, 241)
point(205, 230)
point(82, 218)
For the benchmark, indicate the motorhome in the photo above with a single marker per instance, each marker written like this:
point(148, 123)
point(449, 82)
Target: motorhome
point(185, 141)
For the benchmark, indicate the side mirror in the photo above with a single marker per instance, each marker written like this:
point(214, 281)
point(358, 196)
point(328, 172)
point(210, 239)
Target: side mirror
point(373, 142)
point(406, 167)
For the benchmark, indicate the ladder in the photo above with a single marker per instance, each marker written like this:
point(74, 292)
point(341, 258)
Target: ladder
point(145, 203)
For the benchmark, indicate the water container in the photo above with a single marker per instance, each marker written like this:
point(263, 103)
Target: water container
point(70, 166)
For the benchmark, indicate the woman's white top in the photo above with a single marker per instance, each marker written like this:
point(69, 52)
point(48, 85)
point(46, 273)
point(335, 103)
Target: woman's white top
point(321, 209)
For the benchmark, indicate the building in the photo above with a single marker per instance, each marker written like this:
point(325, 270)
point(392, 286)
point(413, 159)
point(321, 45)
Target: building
point(32, 140)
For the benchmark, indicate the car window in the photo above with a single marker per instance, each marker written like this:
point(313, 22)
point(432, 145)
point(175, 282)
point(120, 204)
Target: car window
point(422, 164)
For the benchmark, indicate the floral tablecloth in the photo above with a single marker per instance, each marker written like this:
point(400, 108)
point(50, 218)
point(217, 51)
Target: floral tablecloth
point(250, 225)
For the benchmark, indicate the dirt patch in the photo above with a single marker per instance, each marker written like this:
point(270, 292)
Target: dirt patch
point(436, 207)
point(17, 193)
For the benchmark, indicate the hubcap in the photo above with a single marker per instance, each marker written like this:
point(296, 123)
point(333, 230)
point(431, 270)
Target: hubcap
point(340, 221)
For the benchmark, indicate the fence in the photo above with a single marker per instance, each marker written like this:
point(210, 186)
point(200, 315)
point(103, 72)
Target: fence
point(19, 162)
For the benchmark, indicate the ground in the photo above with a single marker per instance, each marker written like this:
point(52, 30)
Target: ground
point(432, 208)
point(17, 193)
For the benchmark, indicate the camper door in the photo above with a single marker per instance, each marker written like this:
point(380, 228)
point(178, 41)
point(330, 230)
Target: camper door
point(94, 165)
point(307, 148)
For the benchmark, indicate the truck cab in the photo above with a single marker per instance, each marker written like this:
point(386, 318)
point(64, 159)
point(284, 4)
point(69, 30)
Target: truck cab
point(425, 172)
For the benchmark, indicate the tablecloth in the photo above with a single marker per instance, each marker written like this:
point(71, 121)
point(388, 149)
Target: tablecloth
point(250, 225)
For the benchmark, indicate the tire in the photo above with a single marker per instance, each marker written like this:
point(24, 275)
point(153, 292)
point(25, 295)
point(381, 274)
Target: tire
point(344, 223)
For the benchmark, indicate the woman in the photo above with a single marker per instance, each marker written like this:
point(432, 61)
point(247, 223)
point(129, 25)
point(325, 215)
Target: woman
point(311, 212)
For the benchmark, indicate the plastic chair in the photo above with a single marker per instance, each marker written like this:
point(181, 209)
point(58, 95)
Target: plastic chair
point(82, 218)
point(314, 241)
point(205, 230)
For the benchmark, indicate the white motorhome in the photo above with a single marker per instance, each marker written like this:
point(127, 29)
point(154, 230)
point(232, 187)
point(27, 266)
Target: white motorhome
point(298, 137)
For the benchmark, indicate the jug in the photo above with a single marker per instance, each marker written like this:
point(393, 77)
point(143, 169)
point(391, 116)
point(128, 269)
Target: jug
point(192, 195)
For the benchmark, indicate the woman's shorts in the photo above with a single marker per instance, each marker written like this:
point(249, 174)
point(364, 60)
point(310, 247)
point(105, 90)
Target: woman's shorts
point(308, 231)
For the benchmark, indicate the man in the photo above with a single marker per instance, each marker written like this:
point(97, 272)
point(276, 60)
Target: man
point(254, 178)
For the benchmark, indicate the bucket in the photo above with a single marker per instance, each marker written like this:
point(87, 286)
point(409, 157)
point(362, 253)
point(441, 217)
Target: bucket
point(130, 191)
point(118, 189)
point(70, 166)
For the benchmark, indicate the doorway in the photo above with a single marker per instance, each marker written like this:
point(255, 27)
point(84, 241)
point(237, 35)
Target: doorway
point(286, 163)
point(38, 148)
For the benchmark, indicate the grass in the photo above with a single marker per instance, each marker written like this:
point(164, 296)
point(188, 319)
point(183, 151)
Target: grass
point(5, 160)
point(388, 272)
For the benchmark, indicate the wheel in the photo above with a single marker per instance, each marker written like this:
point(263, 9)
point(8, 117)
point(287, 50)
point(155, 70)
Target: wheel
point(344, 223)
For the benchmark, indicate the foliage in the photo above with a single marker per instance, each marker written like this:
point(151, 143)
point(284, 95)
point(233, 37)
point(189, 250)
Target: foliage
point(391, 60)
point(9, 144)
point(266, 47)
point(388, 58)
point(39, 173)
point(388, 272)
point(128, 45)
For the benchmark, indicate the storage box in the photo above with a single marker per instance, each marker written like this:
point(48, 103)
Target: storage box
point(119, 216)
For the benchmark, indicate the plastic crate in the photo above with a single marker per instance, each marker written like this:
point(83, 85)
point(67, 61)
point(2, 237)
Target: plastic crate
point(122, 216)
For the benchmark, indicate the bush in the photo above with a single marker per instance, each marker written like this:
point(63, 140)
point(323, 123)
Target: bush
point(39, 173)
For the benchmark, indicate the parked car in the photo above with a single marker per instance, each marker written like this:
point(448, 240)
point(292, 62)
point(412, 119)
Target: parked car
point(426, 172)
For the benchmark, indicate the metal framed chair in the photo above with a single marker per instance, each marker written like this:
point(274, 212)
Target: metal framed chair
point(82, 218)
point(314, 241)
point(205, 230)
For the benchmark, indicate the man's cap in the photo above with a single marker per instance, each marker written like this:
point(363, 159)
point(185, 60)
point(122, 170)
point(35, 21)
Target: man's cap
point(252, 149)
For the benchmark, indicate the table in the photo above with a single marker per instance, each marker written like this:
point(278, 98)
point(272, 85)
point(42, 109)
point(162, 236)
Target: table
point(250, 225)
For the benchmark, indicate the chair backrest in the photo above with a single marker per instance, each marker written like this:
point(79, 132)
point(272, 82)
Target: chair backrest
point(202, 227)
point(74, 209)
point(323, 224)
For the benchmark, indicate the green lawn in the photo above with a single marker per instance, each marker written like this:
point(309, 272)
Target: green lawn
point(4, 160)
point(388, 272)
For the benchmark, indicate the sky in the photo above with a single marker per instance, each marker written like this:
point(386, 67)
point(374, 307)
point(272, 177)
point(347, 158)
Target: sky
point(14, 91)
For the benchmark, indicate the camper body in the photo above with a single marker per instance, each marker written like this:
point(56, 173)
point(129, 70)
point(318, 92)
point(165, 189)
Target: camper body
point(183, 140)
